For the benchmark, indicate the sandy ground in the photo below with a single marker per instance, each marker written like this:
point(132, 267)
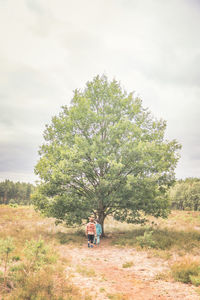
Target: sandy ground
point(100, 273)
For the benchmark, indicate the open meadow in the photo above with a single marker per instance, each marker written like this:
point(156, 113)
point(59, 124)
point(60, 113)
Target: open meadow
point(40, 260)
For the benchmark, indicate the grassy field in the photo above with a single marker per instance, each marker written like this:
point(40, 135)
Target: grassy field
point(30, 265)
point(179, 234)
point(32, 268)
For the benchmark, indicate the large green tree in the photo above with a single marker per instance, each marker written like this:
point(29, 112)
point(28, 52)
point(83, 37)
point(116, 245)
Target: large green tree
point(105, 155)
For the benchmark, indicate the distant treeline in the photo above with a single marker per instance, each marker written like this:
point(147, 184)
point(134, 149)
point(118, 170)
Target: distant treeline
point(185, 194)
point(16, 192)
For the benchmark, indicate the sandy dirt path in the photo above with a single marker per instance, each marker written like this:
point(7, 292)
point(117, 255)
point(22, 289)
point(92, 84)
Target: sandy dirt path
point(99, 272)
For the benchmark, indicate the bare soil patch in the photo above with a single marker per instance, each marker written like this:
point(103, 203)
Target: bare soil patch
point(101, 273)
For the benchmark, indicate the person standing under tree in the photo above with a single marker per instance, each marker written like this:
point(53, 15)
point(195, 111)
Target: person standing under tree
point(91, 232)
point(98, 233)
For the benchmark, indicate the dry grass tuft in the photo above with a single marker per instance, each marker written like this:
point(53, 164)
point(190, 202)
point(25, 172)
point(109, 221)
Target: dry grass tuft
point(186, 270)
point(128, 264)
point(84, 271)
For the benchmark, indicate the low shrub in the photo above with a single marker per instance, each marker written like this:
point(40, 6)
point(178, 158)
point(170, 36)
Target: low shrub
point(186, 270)
point(127, 238)
point(146, 240)
point(195, 280)
point(37, 275)
point(164, 239)
point(47, 283)
point(117, 297)
point(128, 264)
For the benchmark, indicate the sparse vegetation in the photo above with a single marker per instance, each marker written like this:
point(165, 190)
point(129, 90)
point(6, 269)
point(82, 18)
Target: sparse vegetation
point(128, 264)
point(30, 268)
point(6, 247)
point(187, 270)
point(117, 297)
point(66, 238)
point(164, 239)
point(89, 272)
point(31, 265)
point(146, 240)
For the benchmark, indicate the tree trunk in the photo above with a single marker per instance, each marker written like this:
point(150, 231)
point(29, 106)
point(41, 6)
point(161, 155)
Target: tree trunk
point(5, 197)
point(101, 218)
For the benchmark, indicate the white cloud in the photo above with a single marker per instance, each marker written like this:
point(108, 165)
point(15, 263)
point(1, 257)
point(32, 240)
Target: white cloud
point(49, 48)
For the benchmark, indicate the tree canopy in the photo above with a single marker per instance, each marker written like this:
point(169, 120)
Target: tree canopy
point(105, 155)
point(15, 192)
point(185, 194)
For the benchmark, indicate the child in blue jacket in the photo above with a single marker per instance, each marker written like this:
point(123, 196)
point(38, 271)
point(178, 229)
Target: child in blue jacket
point(98, 233)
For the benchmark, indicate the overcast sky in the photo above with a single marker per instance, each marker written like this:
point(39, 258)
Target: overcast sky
point(50, 47)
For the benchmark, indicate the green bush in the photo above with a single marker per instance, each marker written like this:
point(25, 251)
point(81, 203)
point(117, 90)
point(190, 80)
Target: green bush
point(38, 277)
point(146, 241)
point(195, 280)
point(185, 270)
point(37, 254)
point(163, 239)
point(128, 238)
point(16, 258)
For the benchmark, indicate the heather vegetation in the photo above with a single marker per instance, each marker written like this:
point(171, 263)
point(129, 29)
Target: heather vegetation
point(32, 267)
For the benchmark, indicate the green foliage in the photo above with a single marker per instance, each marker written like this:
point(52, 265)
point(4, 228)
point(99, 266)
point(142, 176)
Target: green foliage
point(105, 155)
point(186, 271)
point(185, 194)
point(35, 277)
point(128, 238)
point(13, 204)
point(15, 193)
point(127, 264)
point(146, 240)
point(195, 280)
point(31, 269)
point(6, 246)
point(163, 239)
point(37, 255)
point(16, 258)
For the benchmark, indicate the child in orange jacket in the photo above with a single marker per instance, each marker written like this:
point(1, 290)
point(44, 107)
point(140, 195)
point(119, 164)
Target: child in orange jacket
point(91, 232)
